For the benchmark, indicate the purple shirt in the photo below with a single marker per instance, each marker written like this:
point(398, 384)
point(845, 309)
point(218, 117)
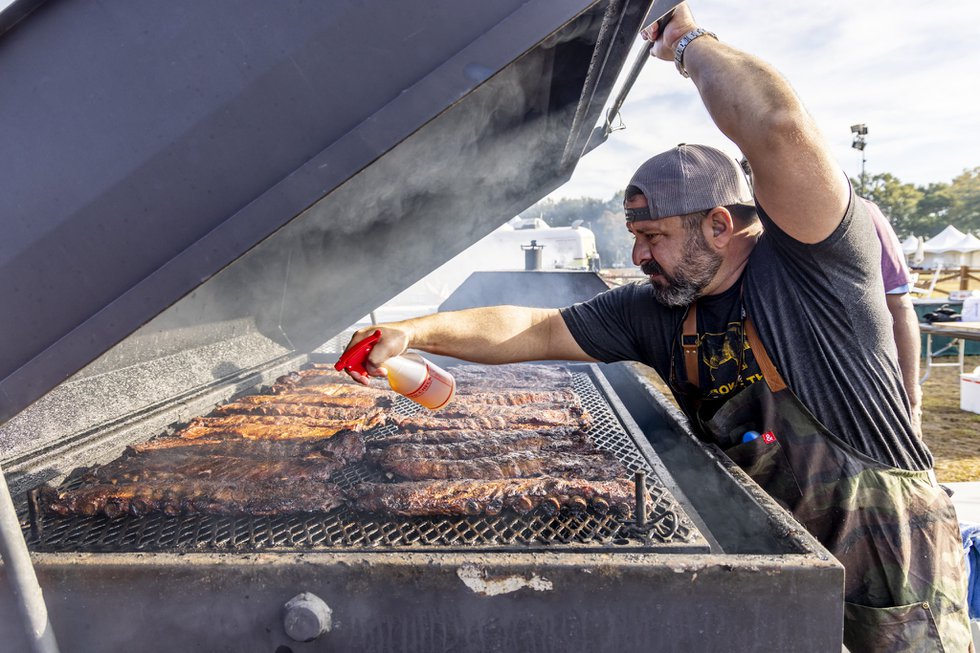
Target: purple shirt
point(894, 271)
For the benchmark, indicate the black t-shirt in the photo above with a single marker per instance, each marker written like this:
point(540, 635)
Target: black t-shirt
point(820, 312)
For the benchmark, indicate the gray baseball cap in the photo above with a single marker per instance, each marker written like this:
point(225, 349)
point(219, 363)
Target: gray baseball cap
point(688, 179)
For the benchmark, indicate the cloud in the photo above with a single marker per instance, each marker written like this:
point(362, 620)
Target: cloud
point(907, 70)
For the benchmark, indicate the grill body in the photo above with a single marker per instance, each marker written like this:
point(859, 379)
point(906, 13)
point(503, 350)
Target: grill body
point(738, 573)
point(451, 601)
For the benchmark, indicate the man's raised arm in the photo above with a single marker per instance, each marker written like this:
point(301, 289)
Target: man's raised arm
point(495, 334)
point(797, 182)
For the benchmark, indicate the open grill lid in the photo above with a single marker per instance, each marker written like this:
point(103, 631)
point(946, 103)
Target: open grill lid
point(288, 166)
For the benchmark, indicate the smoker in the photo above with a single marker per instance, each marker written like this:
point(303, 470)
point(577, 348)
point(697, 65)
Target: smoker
point(199, 196)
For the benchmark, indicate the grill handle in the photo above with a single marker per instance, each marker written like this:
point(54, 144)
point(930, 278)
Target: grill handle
point(23, 580)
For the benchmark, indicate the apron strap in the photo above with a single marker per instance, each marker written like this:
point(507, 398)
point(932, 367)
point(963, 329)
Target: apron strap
point(769, 372)
point(689, 342)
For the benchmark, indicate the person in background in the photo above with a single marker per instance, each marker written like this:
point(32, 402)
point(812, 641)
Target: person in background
point(905, 322)
point(764, 314)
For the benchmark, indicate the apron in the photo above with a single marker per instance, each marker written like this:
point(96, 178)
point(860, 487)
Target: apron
point(895, 533)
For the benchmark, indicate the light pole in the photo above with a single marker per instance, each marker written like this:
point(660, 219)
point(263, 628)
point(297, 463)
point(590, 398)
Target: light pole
point(860, 131)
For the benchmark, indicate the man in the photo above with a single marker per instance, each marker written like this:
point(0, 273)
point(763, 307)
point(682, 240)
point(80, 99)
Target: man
point(905, 322)
point(781, 330)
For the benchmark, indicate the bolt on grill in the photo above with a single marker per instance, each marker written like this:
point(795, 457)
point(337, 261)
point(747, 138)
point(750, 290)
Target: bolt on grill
point(667, 526)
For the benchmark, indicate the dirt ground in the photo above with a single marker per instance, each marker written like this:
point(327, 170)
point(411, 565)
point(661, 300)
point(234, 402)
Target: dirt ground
point(953, 435)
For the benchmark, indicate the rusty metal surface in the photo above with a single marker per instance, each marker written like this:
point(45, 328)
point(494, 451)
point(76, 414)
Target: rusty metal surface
point(443, 602)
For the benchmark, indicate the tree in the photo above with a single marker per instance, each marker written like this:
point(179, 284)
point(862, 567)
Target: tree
point(932, 212)
point(896, 200)
point(964, 196)
point(612, 239)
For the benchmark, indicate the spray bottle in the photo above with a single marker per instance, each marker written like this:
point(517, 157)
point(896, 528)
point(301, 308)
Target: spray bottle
point(409, 374)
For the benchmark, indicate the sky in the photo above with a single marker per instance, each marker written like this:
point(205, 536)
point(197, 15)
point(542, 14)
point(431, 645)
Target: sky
point(909, 70)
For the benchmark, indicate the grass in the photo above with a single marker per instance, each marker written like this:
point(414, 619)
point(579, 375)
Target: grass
point(953, 435)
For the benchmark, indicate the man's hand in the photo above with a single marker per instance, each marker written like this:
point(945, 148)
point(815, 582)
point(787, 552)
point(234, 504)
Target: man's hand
point(394, 341)
point(489, 335)
point(680, 24)
point(796, 180)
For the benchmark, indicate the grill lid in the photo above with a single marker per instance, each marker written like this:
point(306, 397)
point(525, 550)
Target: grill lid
point(332, 142)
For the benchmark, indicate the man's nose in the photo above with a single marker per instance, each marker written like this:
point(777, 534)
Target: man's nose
point(641, 253)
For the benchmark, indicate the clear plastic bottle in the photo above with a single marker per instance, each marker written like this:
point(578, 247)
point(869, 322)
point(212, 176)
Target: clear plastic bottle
point(410, 375)
point(420, 380)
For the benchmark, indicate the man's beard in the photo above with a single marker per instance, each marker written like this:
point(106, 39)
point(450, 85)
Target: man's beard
point(697, 268)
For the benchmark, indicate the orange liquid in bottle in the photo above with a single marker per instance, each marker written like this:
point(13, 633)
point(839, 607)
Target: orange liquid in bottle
point(421, 381)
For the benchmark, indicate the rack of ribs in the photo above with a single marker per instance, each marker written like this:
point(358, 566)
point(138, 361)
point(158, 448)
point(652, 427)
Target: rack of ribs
point(317, 375)
point(596, 465)
point(215, 468)
point(223, 477)
point(499, 419)
point(449, 436)
point(318, 399)
point(271, 497)
point(481, 378)
point(482, 447)
point(270, 427)
point(347, 446)
point(315, 412)
point(518, 398)
point(480, 497)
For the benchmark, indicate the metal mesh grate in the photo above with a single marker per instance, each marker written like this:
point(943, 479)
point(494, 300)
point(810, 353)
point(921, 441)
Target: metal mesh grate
point(344, 529)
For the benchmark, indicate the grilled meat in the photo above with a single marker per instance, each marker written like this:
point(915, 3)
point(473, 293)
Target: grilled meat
point(343, 390)
point(508, 419)
point(297, 410)
point(481, 378)
point(479, 497)
point(482, 447)
point(263, 427)
point(364, 401)
point(556, 398)
point(215, 468)
point(296, 381)
point(355, 424)
point(238, 457)
point(468, 410)
point(217, 498)
point(348, 446)
point(448, 436)
point(516, 464)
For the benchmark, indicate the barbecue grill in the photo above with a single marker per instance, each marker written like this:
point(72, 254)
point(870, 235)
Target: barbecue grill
point(286, 170)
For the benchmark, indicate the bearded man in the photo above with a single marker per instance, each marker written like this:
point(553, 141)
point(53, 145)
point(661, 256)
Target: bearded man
point(764, 314)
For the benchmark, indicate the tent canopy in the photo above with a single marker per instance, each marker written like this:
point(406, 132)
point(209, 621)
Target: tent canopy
point(952, 239)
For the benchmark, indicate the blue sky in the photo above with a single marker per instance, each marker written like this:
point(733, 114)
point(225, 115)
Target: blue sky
point(909, 70)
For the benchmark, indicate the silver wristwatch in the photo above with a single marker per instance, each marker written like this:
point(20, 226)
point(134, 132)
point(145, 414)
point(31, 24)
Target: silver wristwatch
point(686, 41)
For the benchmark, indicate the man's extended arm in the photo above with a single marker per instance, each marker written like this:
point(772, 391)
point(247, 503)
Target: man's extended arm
point(905, 324)
point(796, 179)
point(495, 334)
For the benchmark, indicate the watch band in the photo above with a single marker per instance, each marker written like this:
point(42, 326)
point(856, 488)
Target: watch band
point(686, 41)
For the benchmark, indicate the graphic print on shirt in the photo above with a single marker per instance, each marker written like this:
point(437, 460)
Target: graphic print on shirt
point(729, 361)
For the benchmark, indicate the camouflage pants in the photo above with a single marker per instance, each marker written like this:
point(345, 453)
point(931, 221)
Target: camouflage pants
point(895, 532)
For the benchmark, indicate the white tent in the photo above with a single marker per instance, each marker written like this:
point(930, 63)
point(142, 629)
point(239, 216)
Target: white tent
point(913, 248)
point(909, 245)
point(951, 248)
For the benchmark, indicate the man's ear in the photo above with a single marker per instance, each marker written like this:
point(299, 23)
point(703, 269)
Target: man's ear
point(720, 226)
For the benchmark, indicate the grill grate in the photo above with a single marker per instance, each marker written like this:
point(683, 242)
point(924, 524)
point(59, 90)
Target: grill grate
point(344, 529)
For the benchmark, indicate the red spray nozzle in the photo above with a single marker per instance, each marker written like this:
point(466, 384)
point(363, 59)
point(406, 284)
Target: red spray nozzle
point(354, 358)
